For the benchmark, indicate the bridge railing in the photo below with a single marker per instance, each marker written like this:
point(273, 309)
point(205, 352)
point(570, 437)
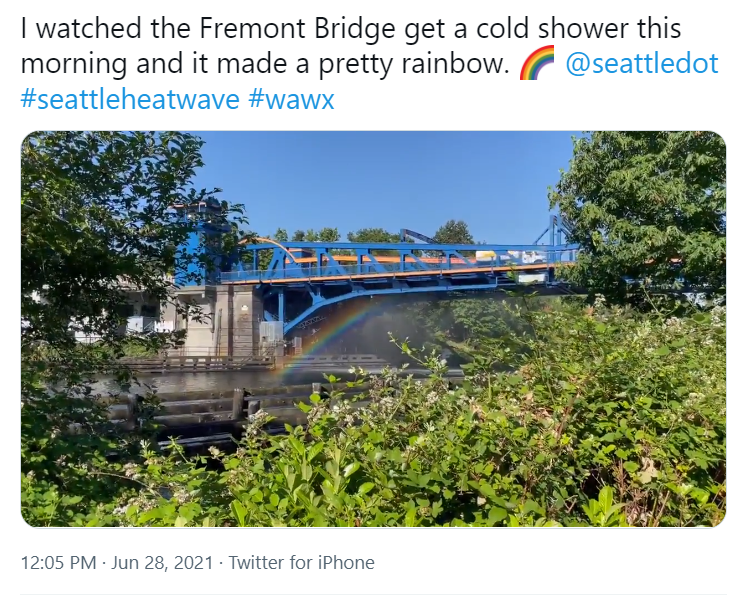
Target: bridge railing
point(500, 261)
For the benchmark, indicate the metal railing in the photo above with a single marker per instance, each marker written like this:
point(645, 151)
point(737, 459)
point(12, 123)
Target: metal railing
point(500, 262)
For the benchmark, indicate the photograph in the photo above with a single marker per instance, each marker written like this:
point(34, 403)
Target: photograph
point(373, 329)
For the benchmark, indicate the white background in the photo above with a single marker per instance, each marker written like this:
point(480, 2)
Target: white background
point(407, 560)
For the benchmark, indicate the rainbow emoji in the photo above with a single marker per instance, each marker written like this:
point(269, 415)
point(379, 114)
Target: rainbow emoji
point(535, 62)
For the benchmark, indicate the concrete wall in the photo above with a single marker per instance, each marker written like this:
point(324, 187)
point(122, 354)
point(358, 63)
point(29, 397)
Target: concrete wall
point(199, 339)
point(239, 311)
point(232, 325)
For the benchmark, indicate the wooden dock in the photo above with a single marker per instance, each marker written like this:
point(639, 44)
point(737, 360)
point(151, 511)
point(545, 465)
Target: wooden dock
point(199, 363)
point(219, 363)
point(204, 418)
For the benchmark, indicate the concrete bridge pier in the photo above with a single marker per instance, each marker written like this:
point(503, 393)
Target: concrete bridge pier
point(232, 324)
point(237, 318)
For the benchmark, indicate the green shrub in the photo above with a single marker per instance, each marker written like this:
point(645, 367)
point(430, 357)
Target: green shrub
point(605, 417)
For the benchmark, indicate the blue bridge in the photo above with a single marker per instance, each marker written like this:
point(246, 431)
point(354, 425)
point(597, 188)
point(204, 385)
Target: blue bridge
point(297, 279)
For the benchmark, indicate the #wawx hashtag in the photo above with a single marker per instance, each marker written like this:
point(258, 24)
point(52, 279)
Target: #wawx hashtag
point(28, 97)
point(255, 99)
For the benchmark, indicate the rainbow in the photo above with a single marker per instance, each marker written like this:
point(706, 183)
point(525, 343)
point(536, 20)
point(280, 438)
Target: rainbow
point(535, 62)
point(333, 327)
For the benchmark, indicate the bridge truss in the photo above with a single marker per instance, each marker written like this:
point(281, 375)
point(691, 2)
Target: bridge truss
point(304, 277)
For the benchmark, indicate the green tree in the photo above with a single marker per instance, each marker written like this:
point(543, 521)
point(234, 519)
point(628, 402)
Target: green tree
point(454, 232)
point(646, 206)
point(97, 220)
point(326, 235)
point(375, 235)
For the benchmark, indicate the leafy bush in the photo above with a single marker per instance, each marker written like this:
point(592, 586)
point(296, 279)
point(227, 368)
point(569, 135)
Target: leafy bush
point(606, 418)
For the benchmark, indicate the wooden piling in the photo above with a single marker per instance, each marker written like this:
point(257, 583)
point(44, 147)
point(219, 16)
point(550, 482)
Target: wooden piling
point(252, 408)
point(132, 411)
point(238, 404)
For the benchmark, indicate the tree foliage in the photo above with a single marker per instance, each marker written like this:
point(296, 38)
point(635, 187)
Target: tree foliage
point(454, 232)
point(376, 235)
point(97, 216)
point(648, 207)
point(97, 221)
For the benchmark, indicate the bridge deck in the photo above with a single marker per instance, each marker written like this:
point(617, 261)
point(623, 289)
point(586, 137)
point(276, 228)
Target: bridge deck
point(316, 275)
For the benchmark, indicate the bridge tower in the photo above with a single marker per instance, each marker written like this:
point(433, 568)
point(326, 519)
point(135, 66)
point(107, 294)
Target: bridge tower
point(204, 243)
point(231, 324)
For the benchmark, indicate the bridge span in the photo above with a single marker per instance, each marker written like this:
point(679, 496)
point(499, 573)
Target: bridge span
point(303, 277)
point(267, 289)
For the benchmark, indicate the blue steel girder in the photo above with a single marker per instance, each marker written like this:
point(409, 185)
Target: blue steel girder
point(326, 262)
point(405, 255)
point(284, 267)
point(365, 260)
point(315, 292)
point(490, 285)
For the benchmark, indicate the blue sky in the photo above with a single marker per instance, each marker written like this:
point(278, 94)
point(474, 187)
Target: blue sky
point(495, 181)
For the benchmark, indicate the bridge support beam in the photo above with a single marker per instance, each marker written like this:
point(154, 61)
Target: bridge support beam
point(282, 305)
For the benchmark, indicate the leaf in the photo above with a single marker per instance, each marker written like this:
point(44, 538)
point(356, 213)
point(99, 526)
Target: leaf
point(436, 508)
point(531, 506)
point(317, 448)
point(239, 512)
point(298, 446)
point(496, 515)
point(647, 475)
point(630, 466)
point(487, 490)
point(375, 437)
point(410, 518)
point(351, 469)
point(605, 498)
point(662, 351)
point(365, 488)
